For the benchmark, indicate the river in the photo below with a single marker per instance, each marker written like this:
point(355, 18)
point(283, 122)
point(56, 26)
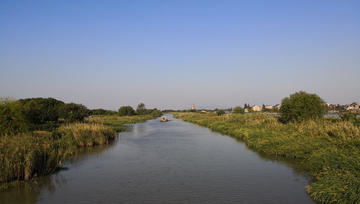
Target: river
point(171, 162)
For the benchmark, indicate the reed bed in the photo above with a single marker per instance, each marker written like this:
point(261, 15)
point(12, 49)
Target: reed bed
point(84, 134)
point(330, 149)
point(117, 122)
point(27, 155)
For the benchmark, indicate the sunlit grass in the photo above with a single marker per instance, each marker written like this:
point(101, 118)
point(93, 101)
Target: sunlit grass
point(330, 148)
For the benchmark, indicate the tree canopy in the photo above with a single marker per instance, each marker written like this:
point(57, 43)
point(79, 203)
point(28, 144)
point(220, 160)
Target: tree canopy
point(73, 112)
point(238, 110)
point(141, 110)
point(220, 112)
point(301, 106)
point(126, 111)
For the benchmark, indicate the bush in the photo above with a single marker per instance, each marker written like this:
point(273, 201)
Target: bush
point(141, 110)
point(12, 117)
point(238, 110)
point(156, 113)
point(220, 112)
point(126, 111)
point(301, 106)
point(73, 112)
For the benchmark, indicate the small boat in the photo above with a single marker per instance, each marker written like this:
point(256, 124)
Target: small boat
point(163, 119)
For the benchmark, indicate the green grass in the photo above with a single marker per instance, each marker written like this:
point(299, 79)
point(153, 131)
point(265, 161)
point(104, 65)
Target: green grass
point(117, 122)
point(329, 148)
point(25, 156)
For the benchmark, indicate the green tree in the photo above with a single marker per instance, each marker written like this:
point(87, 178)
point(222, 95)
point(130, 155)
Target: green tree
point(41, 110)
point(126, 111)
point(238, 110)
point(220, 112)
point(98, 111)
point(301, 106)
point(12, 117)
point(73, 112)
point(141, 110)
point(156, 113)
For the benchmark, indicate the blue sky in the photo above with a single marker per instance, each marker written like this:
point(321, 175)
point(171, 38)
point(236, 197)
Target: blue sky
point(169, 54)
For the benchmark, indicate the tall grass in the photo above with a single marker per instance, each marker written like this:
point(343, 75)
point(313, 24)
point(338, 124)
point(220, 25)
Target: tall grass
point(117, 122)
point(330, 148)
point(27, 155)
point(24, 156)
point(82, 134)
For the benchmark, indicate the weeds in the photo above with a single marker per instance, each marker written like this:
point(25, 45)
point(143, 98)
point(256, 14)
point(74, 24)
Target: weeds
point(330, 148)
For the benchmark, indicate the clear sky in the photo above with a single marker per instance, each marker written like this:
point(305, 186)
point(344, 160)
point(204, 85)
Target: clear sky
point(169, 54)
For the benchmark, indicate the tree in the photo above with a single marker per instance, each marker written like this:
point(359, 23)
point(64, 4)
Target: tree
point(220, 112)
point(41, 110)
point(126, 111)
point(156, 113)
point(12, 117)
point(301, 106)
point(73, 112)
point(263, 107)
point(245, 106)
point(141, 110)
point(238, 110)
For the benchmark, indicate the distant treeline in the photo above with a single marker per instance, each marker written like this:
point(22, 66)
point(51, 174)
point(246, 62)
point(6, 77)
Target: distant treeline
point(47, 114)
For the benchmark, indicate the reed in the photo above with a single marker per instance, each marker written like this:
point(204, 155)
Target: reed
point(84, 134)
point(330, 149)
point(27, 155)
point(117, 122)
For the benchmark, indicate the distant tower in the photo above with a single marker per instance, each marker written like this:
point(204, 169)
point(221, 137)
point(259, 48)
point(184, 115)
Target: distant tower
point(192, 106)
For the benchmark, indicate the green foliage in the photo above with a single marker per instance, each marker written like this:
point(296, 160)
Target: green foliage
point(72, 112)
point(238, 110)
point(301, 106)
point(156, 113)
point(350, 117)
point(126, 111)
point(220, 112)
point(141, 110)
point(12, 117)
point(98, 111)
point(329, 149)
point(41, 110)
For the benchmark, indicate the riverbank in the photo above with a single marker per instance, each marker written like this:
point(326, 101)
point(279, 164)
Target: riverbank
point(26, 156)
point(330, 148)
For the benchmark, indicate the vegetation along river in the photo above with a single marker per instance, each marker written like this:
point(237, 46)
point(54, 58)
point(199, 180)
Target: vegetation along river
point(170, 162)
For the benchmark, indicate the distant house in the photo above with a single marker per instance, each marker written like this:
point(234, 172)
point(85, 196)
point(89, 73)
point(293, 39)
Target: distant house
point(352, 106)
point(256, 108)
point(268, 107)
point(277, 106)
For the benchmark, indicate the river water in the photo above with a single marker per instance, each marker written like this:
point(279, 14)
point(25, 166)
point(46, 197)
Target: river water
point(172, 162)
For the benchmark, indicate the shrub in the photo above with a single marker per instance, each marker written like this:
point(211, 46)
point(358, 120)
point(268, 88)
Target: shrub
point(126, 111)
point(73, 112)
point(220, 112)
point(12, 117)
point(238, 110)
point(301, 106)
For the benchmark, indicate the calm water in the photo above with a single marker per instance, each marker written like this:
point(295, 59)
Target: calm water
point(173, 162)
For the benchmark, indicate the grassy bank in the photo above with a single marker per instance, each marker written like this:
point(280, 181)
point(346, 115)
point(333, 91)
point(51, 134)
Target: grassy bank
point(117, 122)
point(27, 155)
point(330, 148)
